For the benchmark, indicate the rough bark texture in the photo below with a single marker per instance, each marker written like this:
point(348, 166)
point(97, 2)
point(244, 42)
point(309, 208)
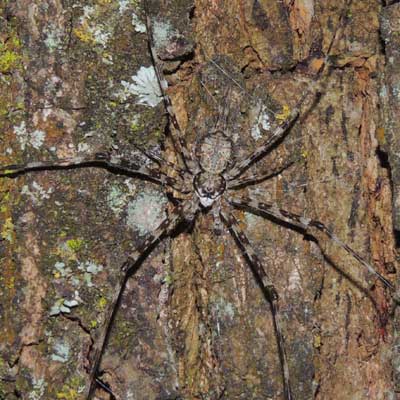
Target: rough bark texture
point(193, 323)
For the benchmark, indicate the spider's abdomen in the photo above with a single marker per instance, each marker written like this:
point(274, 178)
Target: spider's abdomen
point(214, 152)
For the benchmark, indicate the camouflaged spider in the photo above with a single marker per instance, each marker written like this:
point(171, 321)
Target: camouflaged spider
point(208, 177)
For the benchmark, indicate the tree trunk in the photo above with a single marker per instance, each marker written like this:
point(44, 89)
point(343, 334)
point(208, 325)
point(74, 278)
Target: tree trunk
point(193, 322)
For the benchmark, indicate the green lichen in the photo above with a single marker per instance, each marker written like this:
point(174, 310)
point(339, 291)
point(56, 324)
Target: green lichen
point(101, 303)
point(75, 244)
point(168, 279)
point(9, 56)
point(124, 335)
point(72, 389)
point(93, 324)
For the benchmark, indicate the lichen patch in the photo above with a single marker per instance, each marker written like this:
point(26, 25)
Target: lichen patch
point(144, 86)
point(146, 212)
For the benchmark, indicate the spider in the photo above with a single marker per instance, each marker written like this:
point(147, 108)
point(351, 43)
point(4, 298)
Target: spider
point(206, 180)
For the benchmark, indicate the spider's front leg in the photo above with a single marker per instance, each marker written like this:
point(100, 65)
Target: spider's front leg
point(306, 224)
point(176, 133)
point(257, 178)
point(268, 288)
point(314, 87)
point(185, 211)
point(100, 160)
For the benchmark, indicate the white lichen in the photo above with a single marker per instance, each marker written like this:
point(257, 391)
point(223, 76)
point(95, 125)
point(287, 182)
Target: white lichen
point(225, 309)
point(54, 37)
point(61, 270)
point(140, 27)
point(22, 134)
point(162, 33)
point(37, 193)
point(89, 268)
point(144, 85)
point(262, 122)
point(99, 34)
point(146, 212)
point(83, 147)
point(35, 138)
point(61, 352)
point(294, 281)
point(63, 306)
point(123, 5)
point(88, 11)
point(117, 200)
point(38, 388)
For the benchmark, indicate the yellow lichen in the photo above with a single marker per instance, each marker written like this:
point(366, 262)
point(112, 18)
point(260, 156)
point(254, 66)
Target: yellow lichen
point(57, 274)
point(67, 394)
point(10, 282)
point(83, 35)
point(317, 341)
point(8, 230)
point(283, 116)
point(71, 390)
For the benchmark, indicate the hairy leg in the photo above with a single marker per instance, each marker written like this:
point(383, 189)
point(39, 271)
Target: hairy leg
point(279, 133)
point(100, 160)
point(306, 224)
point(177, 134)
point(268, 288)
point(189, 208)
point(257, 178)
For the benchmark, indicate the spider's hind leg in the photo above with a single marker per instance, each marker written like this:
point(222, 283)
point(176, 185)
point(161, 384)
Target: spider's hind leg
point(129, 267)
point(268, 289)
point(272, 210)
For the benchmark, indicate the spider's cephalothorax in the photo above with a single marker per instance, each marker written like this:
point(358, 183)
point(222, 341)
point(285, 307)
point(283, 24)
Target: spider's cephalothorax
point(209, 187)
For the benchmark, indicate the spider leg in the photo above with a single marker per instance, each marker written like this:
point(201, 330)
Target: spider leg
point(306, 224)
point(268, 288)
point(257, 178)
point(176, 133)
point(151, 155)
point(280, 132)
point(132, 263)
point(102, 160)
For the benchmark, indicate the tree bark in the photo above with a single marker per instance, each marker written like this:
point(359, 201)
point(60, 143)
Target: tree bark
point(193, 322)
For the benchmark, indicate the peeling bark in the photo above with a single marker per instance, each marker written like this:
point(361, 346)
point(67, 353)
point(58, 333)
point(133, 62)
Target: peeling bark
point(193, 323)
